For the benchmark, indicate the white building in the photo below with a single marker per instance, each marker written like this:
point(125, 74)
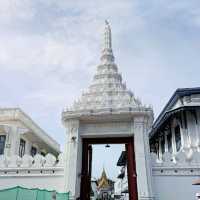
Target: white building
point(28, 156)
point(108, 113)
point(20, 135)
point(175, 142)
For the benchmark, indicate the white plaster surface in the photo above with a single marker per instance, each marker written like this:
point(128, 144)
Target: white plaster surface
point(175, 187)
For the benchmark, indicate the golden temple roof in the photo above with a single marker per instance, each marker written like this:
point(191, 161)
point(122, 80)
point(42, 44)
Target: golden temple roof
point(103, 181)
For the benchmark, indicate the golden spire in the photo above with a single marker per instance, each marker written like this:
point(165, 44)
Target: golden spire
point(103, 181)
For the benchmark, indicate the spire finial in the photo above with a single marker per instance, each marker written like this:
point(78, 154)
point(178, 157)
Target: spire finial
point(107, 36)
point(107, 54)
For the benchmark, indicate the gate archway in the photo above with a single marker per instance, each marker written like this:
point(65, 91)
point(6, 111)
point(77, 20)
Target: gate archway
point(87, 159)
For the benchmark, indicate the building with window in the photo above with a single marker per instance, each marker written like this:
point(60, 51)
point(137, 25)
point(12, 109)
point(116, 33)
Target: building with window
point(20, 135)
point(177, 128)
point(175, 146)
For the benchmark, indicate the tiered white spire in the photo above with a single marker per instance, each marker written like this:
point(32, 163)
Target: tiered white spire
point(107, 53)
point(107, 36)
point(107, 89)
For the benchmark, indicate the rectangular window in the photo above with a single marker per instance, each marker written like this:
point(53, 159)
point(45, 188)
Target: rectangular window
point(22, 146)
point(162, 144)
point(33, 151)
point(2, 144)
point(169, 142)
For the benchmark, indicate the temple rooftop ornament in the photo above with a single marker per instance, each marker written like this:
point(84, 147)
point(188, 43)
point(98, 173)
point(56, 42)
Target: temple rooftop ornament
point(107, 92)
point(103, 182)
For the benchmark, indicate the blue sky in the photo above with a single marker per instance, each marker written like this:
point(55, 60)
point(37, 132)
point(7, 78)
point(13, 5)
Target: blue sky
point(50, 49)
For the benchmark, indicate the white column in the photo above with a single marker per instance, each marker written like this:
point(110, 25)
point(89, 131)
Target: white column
point(184, 138)
point(8, 141)
point(183, 132)
point(14, 140)
point(142, 159)
point(194, 122)
point(159, 149)
point(166, 142)
point(72, 158)
point(173, 141)
point(28, 147)
point(198, 128)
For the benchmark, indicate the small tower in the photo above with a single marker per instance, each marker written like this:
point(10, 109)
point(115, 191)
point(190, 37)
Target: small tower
point(107, 109)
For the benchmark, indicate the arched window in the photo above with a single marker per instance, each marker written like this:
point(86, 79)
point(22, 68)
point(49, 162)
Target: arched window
point(154, 146)
point(169, 142)
point(178, 138)
point(33, 151)
point(22, 147)
point(2, 144)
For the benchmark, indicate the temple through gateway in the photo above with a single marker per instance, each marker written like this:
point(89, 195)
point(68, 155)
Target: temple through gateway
point(160, 159)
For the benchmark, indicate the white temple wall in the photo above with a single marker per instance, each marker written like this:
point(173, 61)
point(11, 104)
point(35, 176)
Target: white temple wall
point(175, 187)
point(32, 172)
point(173, 178)
point(48, 182)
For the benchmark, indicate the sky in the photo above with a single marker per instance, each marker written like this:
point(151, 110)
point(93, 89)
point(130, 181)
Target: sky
point(106, 158)
point(50, 49)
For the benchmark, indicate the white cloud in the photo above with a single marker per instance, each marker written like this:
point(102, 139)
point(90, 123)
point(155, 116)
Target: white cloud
point(49, 49)
point(13, 10)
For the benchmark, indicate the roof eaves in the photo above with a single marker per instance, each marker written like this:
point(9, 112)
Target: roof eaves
point(180, 92)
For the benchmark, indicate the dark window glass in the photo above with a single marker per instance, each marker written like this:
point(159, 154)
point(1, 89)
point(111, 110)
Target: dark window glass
point(2, 143)
point(162, 144)
point(154, 147)
point(169, 142)
point(33, 151)
point(178, 138)
point(43, 154)
point(22, 146)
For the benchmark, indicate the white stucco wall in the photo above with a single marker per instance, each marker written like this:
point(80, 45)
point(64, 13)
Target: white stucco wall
point(32, 172)
point(34, 181)
point(175, 187)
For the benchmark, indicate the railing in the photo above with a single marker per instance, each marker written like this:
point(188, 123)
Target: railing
point(33, 162)
point(181, 164)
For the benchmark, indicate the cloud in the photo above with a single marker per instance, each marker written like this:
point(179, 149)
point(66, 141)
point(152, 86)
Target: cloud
point(49, 51)
point(15, 10)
